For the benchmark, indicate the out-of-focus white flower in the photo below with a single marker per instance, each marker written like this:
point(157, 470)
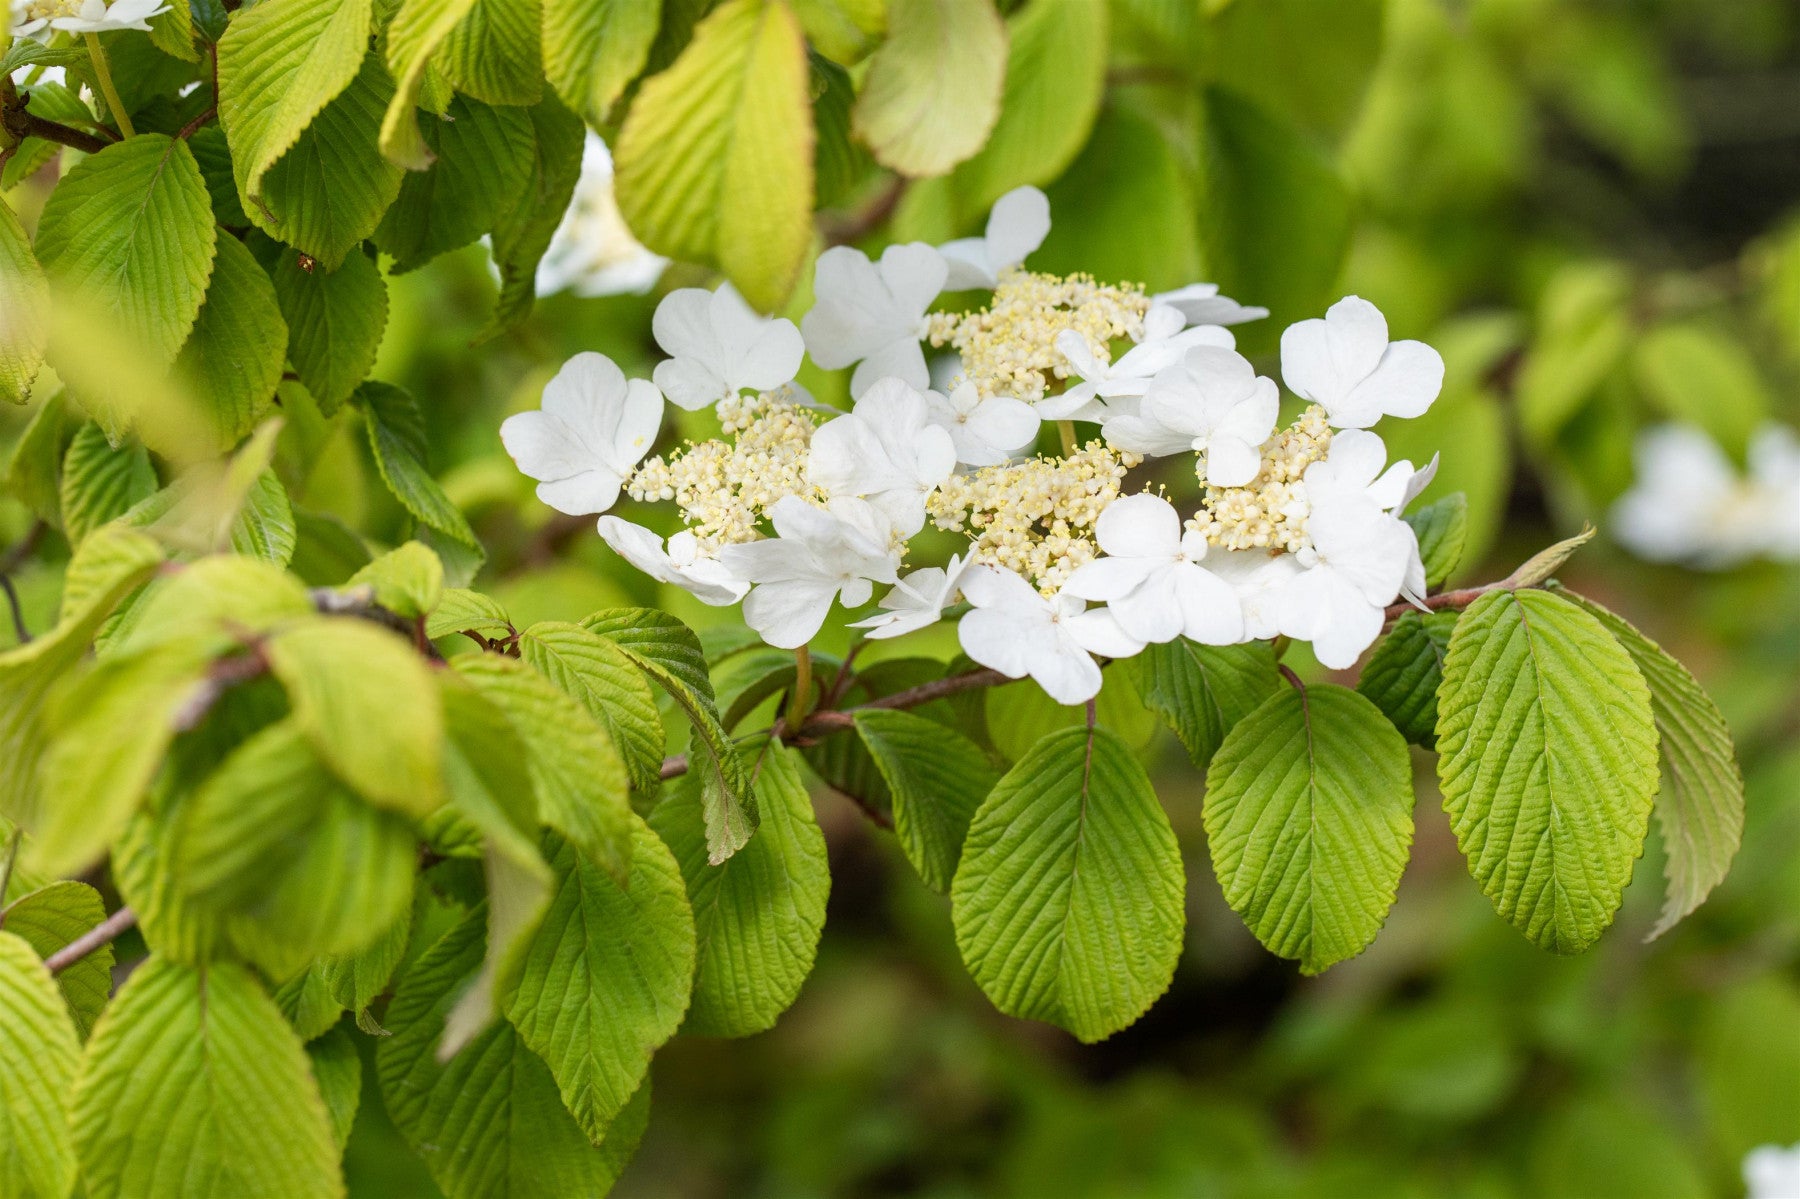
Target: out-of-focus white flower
point(1017, 225)
point(873, 314)
point(1018, 631)
point(1690, 505)
point(681, 564)
point(1352, 467)
point(1107, 389)
point(1258, 578)
point(593, 252)
point(593, 428)
point(718, 346)
point(1772, 1172)
point(1151, 578)
point(816, 556)
point(84, 16)
point(1212, 401)
point(917, 600)
point(1353, 569)
point(985, 432)
point(1345, 364)
point(1201, 304)
point(885, 450)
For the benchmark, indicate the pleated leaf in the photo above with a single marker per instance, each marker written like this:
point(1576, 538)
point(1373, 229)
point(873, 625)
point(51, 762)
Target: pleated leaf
point(335, 321)
point(338, 1071)
point(1441, 528)
point(101, 483)
point(51, 917)
point(932, 92)
point(417, 29)
point(23, 294)
point(397, 439)
point(482, 165)
point(235, 354)
point(614, 691)
point(523, 233)
point(593, 48)
point(494, 54)
point(1202, 691)
point(38, 1057)
point(1403, 674)
point(936, 778)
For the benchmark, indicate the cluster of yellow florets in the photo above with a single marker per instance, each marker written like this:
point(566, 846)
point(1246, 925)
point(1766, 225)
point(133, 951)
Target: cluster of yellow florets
point(725, 488)
point(1009, 347)
point(1035, 518)
point(1270, 511)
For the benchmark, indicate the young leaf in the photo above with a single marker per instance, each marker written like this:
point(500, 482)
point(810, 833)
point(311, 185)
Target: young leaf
point(338, 1071)
point(1202, 691)
point(235, 353)
point(1309, 819)
point(483, 159)
point(397, 439)
point(1404, 672)
point(1546, 562)
point(265, 528)
point(308, 1004)
point(1547, 759)
point(100, 483)
point(335, 321)
point(494, 53)
point(221, 598)
point(936, 777)
point(24, 292)
point(758, 916)
point(598, 674)
point(1441, 528)
point(932, 92)
point(463, 610)
point(594, 48)
point(355, 980)
point(1068, 900)
point(38, 1058)
point(523, 233)
point(407, 581)
point(50, 918)
point(418, 27)
point(194, 1085)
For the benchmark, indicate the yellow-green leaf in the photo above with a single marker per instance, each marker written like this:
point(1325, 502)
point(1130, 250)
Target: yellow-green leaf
point(932, 93)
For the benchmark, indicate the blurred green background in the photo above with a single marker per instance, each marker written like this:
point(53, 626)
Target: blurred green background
point(1592, 207)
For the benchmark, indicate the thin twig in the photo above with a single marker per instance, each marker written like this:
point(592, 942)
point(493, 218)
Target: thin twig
point(194, 126)
point(1447, 599)
point(101, 934)
point(18, 613)
point(221, 677)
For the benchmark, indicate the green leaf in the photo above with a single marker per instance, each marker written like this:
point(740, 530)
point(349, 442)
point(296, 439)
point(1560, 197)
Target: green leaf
point(1584, 330)
point(1202, 691)
point(397, 439)
point(1704, 377)
point(172, 926)
point(335, 321)
point(211, 152)
point(338, 1071)
point(489, 1122)
point(715, 159)
point(172, 32)
point(280, 64)
point(1442, 528)
point(50, 918)
point(1700, 803)
point(308, 1004)
point(238, 345)
point(1310, 63)
point(614, 692)
point(100, 483)
point(462, 610)
point(522, 234)
point(222, 598)
point(34, 471)
point(483, 164)
point(1018, 714)
point(24, 293)
point(355, 980)
point(194, 1085)
point(53, 102)
point(757, 917)
point(668, 652)
point(329, 192)
point(38, 1058)
point(408, 581)
point(1309, 820)
point(1068, 900)
point(932, 91)
point(129, 231)
point(368, 703)
point(1547, 760)
point(1546, 562)
point(418, 27)
point(936, 777)
point(1403, 674)
point(494, 53)
point(203, 511)
point(265, 527)
point(842, 30)
point(594, 48)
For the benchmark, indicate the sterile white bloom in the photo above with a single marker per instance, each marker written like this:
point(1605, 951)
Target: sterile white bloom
point(1017, 225)
point(1690, 505)
point(985, 432)
point(817, 555)
point(593, 252)
point(1345, 364)
point(681, 564)
point(1353, 467)
point(94, 16)
point(1108, 389)
point(1772, 1172)
point(917, 600)
point(593, 428)
point(1258, 578)
point(1201, 304)
point(1212, 401)
point(885, 450)
point(873, 314)
point(1151, 578)
point(1353, 569)
point(718, 346)
point(1017, 631)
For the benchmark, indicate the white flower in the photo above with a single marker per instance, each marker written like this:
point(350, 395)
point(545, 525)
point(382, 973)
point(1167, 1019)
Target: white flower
point(1351, 468)
point(917, 600)
point(594, 252)
point(1772, 1172)
point(1258, 578)
point(985, 432)
point(719, 345)
point(816, 555)
point(681, 564)
point(1017, 225)
point(1151, 578)
point(1202, 304)
point(1106, 388)
point(1346, 364)
point(1690, 505)
point(95, 17)
point(1354, 568)
point(874, 314)
point(594, 427)
point(1212, 401)
point(886, 450)
point(1017, 631)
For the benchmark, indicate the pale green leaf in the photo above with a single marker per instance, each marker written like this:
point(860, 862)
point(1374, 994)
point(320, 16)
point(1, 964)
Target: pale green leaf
point(1547, 760)
point(308, 1004)
point(463, 610)
point(335, 321)
point(936, 778)
point(34, 469)
point(484, 156)
point(203, 510)
point(101, 483)
point(238, 346)
point(1068, 903)
point(223, 597)
point(407, 581)
point(1546, 562)
point(265, 527)
point(593, 48)
point(418, 28)
point(338, 1071)
point(1202, 691)
point(932, 92)
point(173, 927)
point(24, 292)
point(355, 980)
point(614, 691)
point(38, 1058)
point(50, 918)
point(172, 32)
point(494, 54)
point(1442, 529)
point(842, 30)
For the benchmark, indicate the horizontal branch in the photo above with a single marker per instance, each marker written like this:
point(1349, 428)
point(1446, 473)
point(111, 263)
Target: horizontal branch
point(23, 123)
point(101, 934)
point(1447, 599)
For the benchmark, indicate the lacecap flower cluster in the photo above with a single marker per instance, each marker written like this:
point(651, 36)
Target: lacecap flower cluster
point(798, 507)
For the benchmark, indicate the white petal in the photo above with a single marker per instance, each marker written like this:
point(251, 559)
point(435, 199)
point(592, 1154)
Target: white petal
point(1323, 360)
point(1150, 612)
point(1017, 225)
point(1098, 631)
point(542, 446)
point(1108, 578)
point(788, 613)
point(1004, 423)
point(639, 419)
point(853, 314)
point(1142, 526)
point(586, 384)
point(1231, 461)
point(967, 262)
point(990, 587)
point(1001, 640)
point(683, 324)
point(1211, 613)
point(1074, 347)
point(1142, 435)
point(1067, 674)
point(584, 494)
point(774, 358)
point(1409, 378)
point(914, 274)
point(902, 359)
point(690, 383)
point(1352, 629)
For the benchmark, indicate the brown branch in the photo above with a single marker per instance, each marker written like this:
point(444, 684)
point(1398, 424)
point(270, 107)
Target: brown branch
point(221, 677)
point(101, 934)
point(1447, 599)
point(22, 123)
point(194, 126)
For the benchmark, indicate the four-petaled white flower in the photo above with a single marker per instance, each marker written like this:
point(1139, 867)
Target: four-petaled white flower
point(594, 427)
point(1258, 578)
point(1345, 364)
point(885, 450)
point(1152, 580)
point(984, 432)
point(1352, 467)
point(1018, 631)
point(1109, 389)
point(681, 564)
point(816, 556)
point(873, 314)
point(95, 16)
point(593, 252)
point(1772, 1172)
point(1354, 568)
point(718, 346)
point(1212, 401)
point(1017, 225)
point(1690, 505)
point(917, 600)
point(1202, 304)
